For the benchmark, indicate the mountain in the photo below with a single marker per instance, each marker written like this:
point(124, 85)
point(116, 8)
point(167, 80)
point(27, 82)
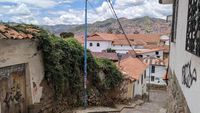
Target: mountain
point(131, 26)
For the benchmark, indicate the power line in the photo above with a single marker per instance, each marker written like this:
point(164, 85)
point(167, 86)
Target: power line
point(94, 9)
point(120, 25)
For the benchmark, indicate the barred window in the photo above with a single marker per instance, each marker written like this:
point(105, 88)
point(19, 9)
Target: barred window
point(193, 28)
point(174, 21)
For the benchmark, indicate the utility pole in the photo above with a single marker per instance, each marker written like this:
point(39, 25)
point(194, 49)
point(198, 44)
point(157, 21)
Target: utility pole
point(85, 58)
point(149, 82)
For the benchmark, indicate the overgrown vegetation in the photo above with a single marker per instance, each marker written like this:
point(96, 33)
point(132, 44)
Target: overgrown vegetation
point(63, 62)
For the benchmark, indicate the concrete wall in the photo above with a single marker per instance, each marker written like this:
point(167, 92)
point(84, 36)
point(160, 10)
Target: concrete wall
point(158, 75)
point(140, 88)
point(130, 92)
point(180, 60)
point(14, 52)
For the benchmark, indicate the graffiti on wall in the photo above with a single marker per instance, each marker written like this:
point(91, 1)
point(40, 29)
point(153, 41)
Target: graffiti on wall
point(189, 75)
point(14, 95)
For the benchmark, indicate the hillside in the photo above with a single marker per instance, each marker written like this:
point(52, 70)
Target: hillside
point(131, 26)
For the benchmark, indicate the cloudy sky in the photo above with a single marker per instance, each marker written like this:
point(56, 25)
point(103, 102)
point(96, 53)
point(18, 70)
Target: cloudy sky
point(51, 12)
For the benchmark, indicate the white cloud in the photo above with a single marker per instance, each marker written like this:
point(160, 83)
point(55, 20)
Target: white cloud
point(21, 9)
point(21, 14)
point(36, 3)
point(24, 12)
point(69, 17)
point(25, 19)
point(65, 1)
point(124, 8)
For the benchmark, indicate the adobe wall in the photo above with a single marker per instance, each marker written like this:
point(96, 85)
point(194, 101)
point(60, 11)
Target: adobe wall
point(23, 51)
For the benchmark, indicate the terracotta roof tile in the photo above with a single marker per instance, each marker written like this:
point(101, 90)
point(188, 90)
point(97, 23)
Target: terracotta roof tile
point(110, 56)
point(125, 42)
point(138, 39)
point(148, 38)
point(143, 51)
point(132, 67)
point(9, 33)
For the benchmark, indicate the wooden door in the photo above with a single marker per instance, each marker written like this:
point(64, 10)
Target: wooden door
point(12, 92)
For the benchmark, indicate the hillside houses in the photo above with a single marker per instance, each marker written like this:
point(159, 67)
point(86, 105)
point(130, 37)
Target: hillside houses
point(151, 49)
point(99, 42)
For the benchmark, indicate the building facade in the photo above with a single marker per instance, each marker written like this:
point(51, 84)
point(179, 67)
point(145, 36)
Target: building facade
point(184, 65)
point(156, 71)
point(99, 42)
point(134, 71)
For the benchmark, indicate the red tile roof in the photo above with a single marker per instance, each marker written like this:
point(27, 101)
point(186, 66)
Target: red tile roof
point(125, 42)
point(9, 33)
point(119, 39)
point(110, 56)
point(148, 38)
point(132, 67)
point(143, 51)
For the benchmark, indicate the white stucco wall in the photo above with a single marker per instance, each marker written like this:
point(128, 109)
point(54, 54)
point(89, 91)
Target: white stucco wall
point(140, 88)
point(122, 49)
point(165, 37)
point(179, 57)
point(160, 71)
point(103, 46)
point(14, 52)
point(153, 54)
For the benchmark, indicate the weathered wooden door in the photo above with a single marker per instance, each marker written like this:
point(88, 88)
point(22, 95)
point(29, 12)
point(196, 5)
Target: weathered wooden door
point(12, 89)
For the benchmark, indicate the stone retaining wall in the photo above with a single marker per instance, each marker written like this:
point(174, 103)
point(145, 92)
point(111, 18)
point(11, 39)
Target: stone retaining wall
point(176, 99)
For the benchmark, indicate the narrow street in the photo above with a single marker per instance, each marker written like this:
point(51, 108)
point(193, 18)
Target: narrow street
point(157, 104)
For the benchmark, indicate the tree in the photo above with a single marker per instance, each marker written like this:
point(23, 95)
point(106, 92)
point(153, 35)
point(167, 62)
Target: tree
point(66, 34)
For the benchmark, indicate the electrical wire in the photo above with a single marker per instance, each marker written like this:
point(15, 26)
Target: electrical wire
point(95, 11)
point(120, 25)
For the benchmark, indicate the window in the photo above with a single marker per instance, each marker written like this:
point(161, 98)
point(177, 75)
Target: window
point(152, 69)
point(157, 52)
point(152, 78)
point(193, 28)
point(174, 21)
point(142, 80)
point(139, 56)
point(158, 56)
point(91, 44)
point(98, 44)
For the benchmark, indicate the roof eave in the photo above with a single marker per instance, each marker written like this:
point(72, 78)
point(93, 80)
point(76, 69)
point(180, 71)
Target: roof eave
point(166, 1)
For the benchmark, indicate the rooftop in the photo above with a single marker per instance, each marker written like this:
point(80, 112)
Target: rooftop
point(105, 55)
point(133, 67)
point(119, 39)
point(10, 33)
point(143, 51)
